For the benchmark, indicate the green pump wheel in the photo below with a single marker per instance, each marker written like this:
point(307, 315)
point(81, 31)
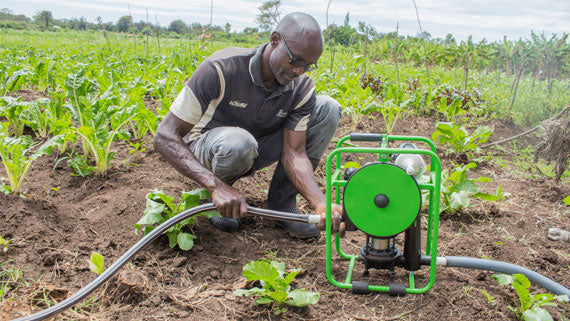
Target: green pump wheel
point(381, 199)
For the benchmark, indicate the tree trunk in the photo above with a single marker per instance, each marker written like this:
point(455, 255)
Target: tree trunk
point(466, 68)
point(517, 83)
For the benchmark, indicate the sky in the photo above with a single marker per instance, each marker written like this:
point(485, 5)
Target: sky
point(483, 19)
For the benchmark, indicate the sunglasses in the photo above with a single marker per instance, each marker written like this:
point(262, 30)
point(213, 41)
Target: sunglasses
point(297, 62)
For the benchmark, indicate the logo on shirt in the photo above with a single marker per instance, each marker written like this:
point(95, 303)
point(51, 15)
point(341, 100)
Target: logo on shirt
point(239, 104)
point(281, 113)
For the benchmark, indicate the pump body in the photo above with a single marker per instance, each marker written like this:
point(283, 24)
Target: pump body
point(383, 199)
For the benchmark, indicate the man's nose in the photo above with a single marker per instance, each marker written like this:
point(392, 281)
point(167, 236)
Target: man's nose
point(298, 71)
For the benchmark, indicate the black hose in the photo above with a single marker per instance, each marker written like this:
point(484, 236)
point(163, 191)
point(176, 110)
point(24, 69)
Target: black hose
point(159, 230)
point(498, 266)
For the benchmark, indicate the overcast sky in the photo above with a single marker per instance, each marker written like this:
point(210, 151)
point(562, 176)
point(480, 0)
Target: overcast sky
point(490, 19)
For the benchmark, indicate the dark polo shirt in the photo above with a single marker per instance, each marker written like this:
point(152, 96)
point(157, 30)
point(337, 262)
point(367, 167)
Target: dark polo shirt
point(227, 90)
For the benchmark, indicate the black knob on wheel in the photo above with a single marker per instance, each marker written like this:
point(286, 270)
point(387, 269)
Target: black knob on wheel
point(381, 200)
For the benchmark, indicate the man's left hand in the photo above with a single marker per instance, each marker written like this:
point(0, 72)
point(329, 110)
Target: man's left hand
point(336, 214)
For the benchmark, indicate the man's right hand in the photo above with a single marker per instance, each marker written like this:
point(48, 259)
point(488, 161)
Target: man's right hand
point(229, 202)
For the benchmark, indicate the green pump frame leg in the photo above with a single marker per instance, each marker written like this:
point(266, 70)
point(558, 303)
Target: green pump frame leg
point(382, 178)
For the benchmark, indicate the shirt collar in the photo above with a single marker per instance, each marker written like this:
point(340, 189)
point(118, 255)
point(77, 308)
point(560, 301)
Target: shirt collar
point(255, 70)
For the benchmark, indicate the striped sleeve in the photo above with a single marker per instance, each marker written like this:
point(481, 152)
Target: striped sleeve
point(194, 98)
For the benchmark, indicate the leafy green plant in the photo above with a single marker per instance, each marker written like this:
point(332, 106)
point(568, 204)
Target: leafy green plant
point(16, 80)
point(391, 111)
point(14, 152)
point(457, 189)
point(459, 139)
point(97, 263)
point(98, 139)
point(11, 108)
point(161, 207)
point(276, 286)
point(529, 307)
point(36, 118)
point(4, 244)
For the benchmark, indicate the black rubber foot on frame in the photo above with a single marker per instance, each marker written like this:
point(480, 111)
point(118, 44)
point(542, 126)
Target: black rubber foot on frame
point(360, 287)
point(397, 289)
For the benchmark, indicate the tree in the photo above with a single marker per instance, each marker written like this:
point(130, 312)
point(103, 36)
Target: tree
point(449, 39)
point(178, 26)
point(250, 30)
point(227, 27)
point(269, 15)
point(347, 19)
point(124, 23)
point(43, 18)
point(425, 36)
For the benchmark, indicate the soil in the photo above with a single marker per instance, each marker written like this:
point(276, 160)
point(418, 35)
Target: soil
point(61, 219)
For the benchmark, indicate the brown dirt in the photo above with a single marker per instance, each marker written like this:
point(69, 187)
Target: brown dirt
point(53, 234)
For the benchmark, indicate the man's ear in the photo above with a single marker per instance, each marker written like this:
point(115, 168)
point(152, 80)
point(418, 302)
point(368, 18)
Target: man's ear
point(275, 39)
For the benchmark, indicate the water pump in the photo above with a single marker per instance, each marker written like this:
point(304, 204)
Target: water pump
point(383, 199)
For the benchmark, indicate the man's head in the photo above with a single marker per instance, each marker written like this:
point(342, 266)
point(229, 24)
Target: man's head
point(297, 44)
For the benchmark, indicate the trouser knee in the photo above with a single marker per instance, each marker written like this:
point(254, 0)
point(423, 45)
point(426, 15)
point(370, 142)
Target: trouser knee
point(229, 152)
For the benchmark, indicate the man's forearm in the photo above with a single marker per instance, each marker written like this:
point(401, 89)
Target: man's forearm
point(300, 172)
point(174, 150)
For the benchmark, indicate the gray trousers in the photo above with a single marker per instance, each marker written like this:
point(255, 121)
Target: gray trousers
point(232, 152)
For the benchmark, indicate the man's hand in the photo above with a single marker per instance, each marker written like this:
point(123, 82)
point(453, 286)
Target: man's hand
point(229, 202)
point(336, 215)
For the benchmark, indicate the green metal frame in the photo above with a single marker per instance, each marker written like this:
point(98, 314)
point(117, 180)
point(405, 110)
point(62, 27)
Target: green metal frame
point(334, 179)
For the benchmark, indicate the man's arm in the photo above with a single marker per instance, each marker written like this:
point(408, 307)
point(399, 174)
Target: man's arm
point(169, 142)
point(300, 172)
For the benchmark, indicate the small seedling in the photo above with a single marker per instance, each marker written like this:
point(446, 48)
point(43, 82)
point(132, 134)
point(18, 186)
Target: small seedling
point(97, 263)
point(529, 307)
point(4, 244)
point(276, 286)
point(490, 299)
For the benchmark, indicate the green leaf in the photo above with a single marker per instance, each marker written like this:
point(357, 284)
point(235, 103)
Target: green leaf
point(261, 270)
point(263, 300)
point(561, 298)
point(158, 195)
point(567, 200)
point(254, 290)
point(172, 239)
point(152, 214)
point(486, 197)
point(289, 278)
point(279, 296)
point(521, 284)
point(536, 314)
point(186, 241)
point(458, 200)
point(503, 279)
point(302, 297)
point(97, 263)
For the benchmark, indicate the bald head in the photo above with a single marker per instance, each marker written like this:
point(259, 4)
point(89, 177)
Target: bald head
point(301, 28)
